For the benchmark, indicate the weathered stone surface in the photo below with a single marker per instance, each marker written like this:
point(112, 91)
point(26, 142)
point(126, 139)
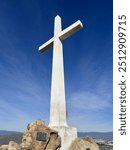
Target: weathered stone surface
point(4, 147)
point(86, 143)
point(39, 136)
point(13, 146)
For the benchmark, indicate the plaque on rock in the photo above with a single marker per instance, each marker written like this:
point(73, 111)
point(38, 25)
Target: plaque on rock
point(41, 136)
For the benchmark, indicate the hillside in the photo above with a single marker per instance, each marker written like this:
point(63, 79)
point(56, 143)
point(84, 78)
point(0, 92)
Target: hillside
point(102, 135)
point(6, 136)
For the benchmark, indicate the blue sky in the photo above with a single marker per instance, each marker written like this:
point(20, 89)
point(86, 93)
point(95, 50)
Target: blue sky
point(25, 73)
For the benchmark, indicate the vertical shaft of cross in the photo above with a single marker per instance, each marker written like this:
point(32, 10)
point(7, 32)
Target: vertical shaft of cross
point(57, 105)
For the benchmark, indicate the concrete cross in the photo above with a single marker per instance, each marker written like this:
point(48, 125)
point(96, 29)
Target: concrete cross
point(58, 104)
point(58, 107)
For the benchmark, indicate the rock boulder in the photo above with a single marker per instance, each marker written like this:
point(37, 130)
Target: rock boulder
point(4, 147)
point(13, 146)
point(86, 143)
point(39, 136)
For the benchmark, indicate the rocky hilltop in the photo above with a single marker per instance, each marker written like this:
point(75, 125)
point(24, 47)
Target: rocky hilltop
point(38, 136)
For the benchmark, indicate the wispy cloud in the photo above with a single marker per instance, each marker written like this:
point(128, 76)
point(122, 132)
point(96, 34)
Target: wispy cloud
point(25, 74)
point(12, 118)
point(89, 101)
point(90, 112)
point(24, 90)
point(90, 122)
point(90, 109)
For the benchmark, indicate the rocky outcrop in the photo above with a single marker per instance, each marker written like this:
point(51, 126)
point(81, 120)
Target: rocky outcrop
point(39, 136)
point(86, 143)
point(12, 146)
point(4, 147)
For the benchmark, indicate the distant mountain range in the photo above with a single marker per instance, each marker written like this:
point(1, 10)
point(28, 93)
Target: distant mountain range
point(102, 135)
point(6, 136)
point(4, 132)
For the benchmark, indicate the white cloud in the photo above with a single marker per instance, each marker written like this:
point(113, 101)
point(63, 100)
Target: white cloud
point(16, 118)
point(23, 91)
point(90, 111)
point(89, 101)
point(89, 123)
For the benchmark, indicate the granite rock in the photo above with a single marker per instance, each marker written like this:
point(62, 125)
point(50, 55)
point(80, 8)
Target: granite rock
point(13, 146)
point(39, 136)
point(4, 147)
point(86, 143)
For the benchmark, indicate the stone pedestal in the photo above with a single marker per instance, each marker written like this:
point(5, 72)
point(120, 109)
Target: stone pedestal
point(67, 134)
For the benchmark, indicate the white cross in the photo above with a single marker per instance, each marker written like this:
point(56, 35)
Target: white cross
point(58, 104)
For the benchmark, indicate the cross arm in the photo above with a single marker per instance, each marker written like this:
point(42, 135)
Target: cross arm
point(71, 30)
point(46, 45)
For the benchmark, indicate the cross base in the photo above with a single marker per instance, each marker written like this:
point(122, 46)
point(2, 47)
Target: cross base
point(67, 134)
